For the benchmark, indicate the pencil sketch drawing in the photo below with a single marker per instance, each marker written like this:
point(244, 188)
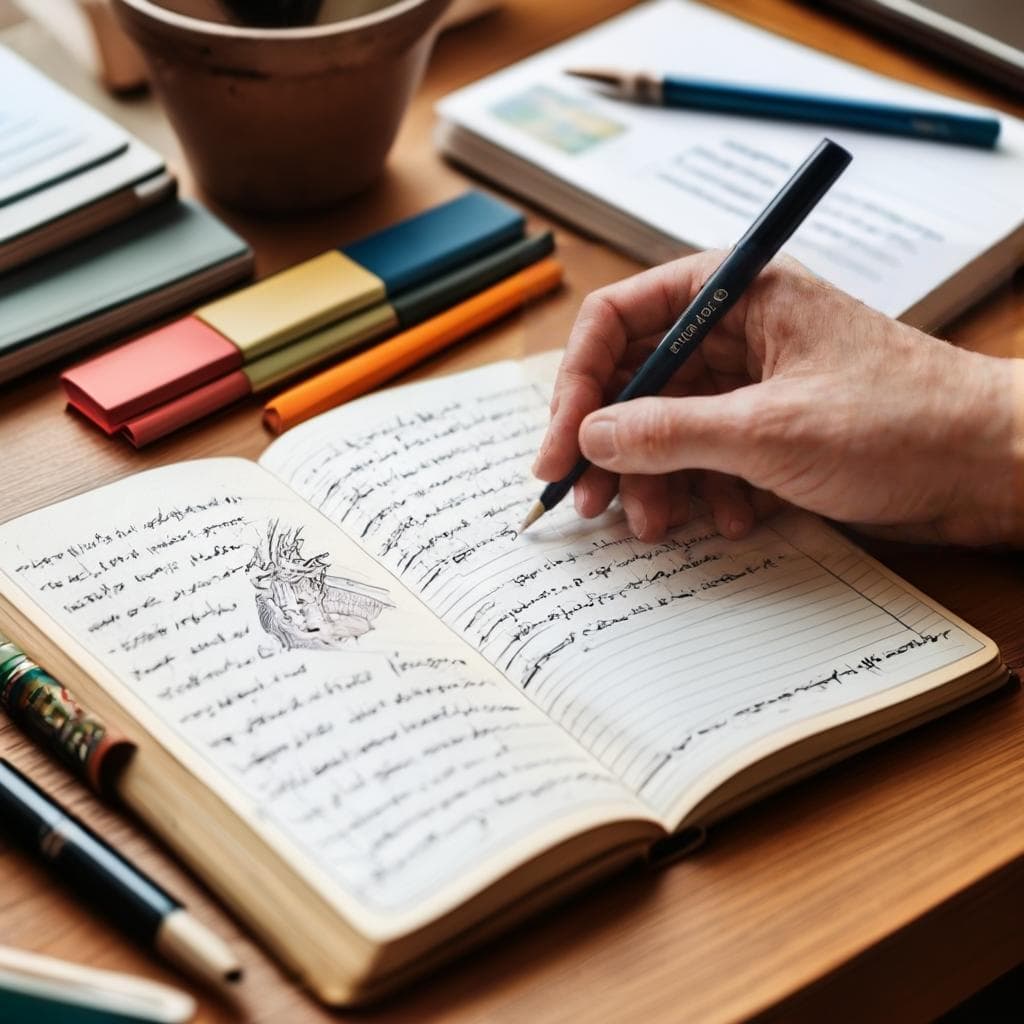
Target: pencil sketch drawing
point(299, 604)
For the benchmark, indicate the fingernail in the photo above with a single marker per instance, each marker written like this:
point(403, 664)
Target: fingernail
point(737, 527)
point(636, 515)
point(579, 499)
point(544, 446)
point(599, 439)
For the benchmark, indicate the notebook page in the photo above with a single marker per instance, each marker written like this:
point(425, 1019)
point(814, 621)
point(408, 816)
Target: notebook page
point(333, 704)
point(904, 217)
point(661, 659)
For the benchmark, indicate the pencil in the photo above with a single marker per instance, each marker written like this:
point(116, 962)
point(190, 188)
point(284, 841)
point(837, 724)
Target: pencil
point(763, 239)
point(373, 367)
point(952, 126)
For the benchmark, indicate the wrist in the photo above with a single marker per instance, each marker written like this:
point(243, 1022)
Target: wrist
point(991, 391)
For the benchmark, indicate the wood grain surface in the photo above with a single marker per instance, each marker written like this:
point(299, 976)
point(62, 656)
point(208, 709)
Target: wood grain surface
point(886, 889)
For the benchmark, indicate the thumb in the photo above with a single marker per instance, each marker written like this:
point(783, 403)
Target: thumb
point(663, 435)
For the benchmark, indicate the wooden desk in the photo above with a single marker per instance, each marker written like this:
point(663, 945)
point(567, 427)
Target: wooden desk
point(888, 888)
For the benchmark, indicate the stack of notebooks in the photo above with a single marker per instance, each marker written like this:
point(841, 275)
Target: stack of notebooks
point(915, 229)
point(262, 335)
point(92, 238)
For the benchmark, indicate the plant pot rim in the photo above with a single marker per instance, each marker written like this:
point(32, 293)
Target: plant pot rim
point(173, 22)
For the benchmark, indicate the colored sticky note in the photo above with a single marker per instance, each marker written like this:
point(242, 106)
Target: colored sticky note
point(144, 373)
point(292, 303)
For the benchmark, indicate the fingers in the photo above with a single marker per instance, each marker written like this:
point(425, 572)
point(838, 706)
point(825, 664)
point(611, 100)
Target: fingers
point(730, 504)
point(645, 500)
point(662, 435)
point(594, 491)
point(655, 504)
point(638, 307)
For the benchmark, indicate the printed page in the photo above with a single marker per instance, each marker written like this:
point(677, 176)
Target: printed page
point(363, 730)
point(662, 659)
point(894, 227)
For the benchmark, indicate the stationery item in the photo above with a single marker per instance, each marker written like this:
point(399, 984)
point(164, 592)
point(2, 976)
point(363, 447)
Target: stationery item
point(408, 309)
point(787, 105)
point(659, 183)
point(44, 990)
point(101, 875)
point(83, 204)
point(65, 169)
point(115, 280)
point(381, 728)
point(375, 366)
point(46, 134)
point(51, 716)
point(762, 240)
point(231, 332)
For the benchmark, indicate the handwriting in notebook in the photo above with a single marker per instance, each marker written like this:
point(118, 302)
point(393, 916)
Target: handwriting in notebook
point(343, 711)
point(660, 659)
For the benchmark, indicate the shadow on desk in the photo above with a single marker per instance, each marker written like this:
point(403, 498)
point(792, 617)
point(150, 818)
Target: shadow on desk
point(919, 970)
point(1002, 1002)
point(589, 918)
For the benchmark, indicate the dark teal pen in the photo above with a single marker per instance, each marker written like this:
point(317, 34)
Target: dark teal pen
point(761, 101)
point(763, 239)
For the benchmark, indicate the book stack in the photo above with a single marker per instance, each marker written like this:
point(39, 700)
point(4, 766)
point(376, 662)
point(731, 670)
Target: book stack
point(92, 237)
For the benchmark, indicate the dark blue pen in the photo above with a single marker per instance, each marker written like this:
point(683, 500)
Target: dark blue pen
point(761, 101)
point(763, 239)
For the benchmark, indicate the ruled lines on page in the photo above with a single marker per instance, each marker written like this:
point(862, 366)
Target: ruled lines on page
point(391, 754)
point(662, 659)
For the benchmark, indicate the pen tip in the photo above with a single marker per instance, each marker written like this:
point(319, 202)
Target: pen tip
point(536, 511)
point(602, 75)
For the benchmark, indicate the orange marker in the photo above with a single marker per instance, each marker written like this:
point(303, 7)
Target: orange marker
point(376, 365)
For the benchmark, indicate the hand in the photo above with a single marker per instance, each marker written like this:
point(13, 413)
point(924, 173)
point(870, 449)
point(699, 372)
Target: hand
point(801, 394)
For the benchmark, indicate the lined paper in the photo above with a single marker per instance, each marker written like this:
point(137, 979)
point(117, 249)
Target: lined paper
point(394, 757)
point(662, 660)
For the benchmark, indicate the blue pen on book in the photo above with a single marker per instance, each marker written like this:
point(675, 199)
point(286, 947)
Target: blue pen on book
point(760, 101)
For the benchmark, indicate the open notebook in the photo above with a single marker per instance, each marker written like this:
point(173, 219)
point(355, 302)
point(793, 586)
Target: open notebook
point(381, 726)
point(916, 229)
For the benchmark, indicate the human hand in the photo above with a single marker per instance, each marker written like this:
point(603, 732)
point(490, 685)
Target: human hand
point(801, 394)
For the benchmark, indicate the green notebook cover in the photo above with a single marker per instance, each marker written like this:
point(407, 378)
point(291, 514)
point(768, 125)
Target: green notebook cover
point(114, 281)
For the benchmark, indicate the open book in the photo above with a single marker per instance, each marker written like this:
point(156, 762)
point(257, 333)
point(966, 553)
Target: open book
point(381, 726)
point(915, 229)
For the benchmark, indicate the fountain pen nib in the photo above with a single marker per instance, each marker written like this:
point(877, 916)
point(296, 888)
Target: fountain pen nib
point(536, 511)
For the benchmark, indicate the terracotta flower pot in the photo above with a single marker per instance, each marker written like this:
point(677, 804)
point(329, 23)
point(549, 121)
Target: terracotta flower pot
point(285, 118)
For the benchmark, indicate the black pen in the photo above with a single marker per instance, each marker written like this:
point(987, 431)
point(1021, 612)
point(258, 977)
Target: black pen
point(763, 239)
point(118, 889)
